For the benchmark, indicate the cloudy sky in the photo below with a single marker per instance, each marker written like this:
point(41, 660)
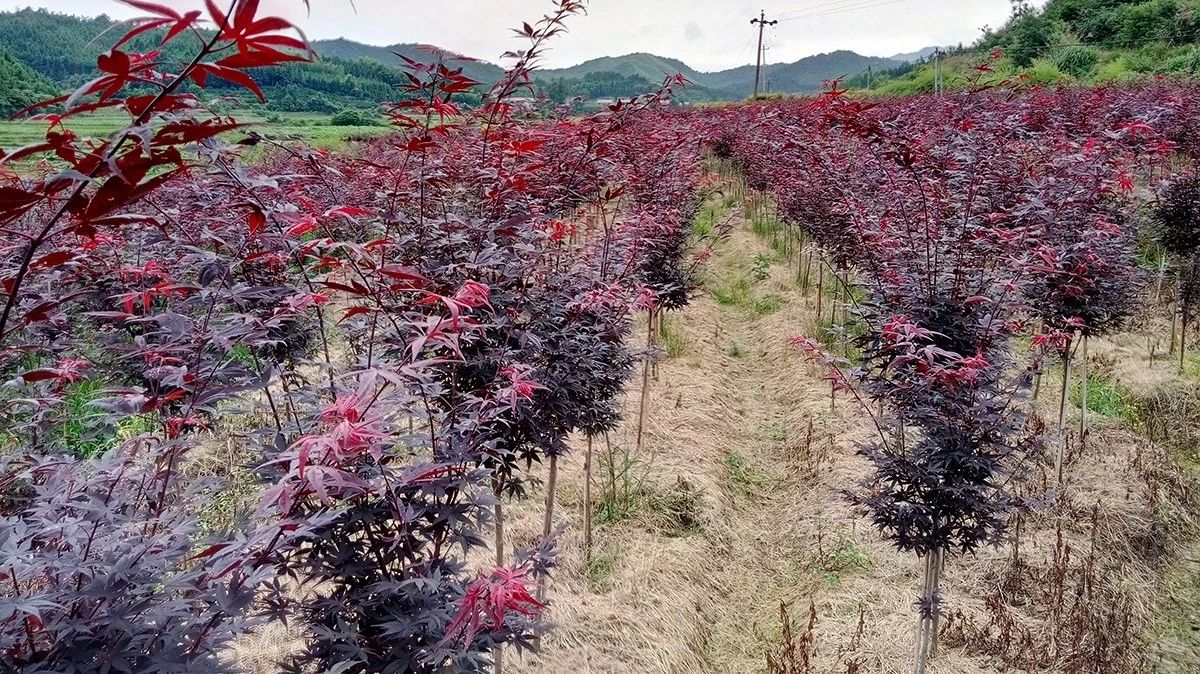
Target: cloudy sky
point(706, 34)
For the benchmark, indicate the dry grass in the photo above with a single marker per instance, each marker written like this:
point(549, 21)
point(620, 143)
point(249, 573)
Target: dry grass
point(742, 508)
point(709, 602)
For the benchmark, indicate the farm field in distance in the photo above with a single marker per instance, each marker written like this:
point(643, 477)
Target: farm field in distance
point(312, 129)
point(521, 369)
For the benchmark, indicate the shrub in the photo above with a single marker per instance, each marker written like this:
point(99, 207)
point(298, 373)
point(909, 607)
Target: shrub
point(1187, 63)
point(1044, 73)
point(351, 117)
point(1077, 61)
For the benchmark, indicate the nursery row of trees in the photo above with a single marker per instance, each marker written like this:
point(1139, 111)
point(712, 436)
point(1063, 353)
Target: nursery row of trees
point(956, 228)
point(392, 339)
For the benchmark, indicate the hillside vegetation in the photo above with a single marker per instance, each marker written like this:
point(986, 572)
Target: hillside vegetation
point(60, 50)
point(20, 85)
point(1068, 41)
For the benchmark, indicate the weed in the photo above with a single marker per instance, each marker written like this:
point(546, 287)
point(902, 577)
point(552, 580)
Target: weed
point(599, 570)
point(675, 343)
point(841, 338)
point(1088, 622)
point(732, 292)
point(622, 474)
point(677, 509)
point(84, 431)
point(843, 558)
point(735, 350)
point(1104, 397)
point(242, 354)
point(742, 475)
point(761, 271)
point(774, 432)
point(767, 305)
point(134, 426)
point(794, 648)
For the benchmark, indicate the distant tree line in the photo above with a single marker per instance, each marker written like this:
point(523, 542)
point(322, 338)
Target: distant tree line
point(598, 84)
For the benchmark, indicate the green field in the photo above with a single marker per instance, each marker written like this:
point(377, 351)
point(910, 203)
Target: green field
point(311, 129)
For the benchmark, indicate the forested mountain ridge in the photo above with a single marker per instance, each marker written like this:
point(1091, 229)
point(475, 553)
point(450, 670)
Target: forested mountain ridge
point(60, 49)
point(803, 76)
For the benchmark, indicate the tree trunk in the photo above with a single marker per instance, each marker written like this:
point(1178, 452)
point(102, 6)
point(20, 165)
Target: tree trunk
point(656, 322)
point(928, 616)
point(1183, 326)
point(548, 522)
point(1062, 414)
point(820, 288)
point(1066, 381)
point(833, 302)
point(1174, 314)
point(587, 504)
point(612, 467)
point(498, 655)
point(641, 427)
point(1037, 376)
point(499, 513)
point(939, 563)
point(922, 646)
point(1083, 394)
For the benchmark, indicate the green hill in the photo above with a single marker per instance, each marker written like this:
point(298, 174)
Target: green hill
point(349, 50)
point(1082, 41)
point(62, 49)
point(20, 85)
point(803, 76)
point(648, 66)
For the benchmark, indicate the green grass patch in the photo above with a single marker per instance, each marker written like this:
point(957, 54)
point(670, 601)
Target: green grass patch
point(732, 292)
point(674, 342)
point(735, 350)
point(600, 569)
point(710, 215)
point(1191, 364)
point(1104, 397)
point(741, 474)
point(774, 432)
point(766, 305)
point(310, 129)
point(84, 431)
point(833, 563)
point(738, 291)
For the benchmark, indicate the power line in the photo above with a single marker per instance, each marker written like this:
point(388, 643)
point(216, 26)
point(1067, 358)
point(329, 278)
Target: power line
point(858, 5)
point(821, 6)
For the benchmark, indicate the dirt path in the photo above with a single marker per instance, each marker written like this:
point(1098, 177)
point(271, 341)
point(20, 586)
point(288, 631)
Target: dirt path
point(733, 510)
point(734, 506)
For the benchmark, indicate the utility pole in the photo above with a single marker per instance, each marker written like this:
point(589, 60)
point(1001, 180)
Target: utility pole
point(762, 23)
point(937, 71)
